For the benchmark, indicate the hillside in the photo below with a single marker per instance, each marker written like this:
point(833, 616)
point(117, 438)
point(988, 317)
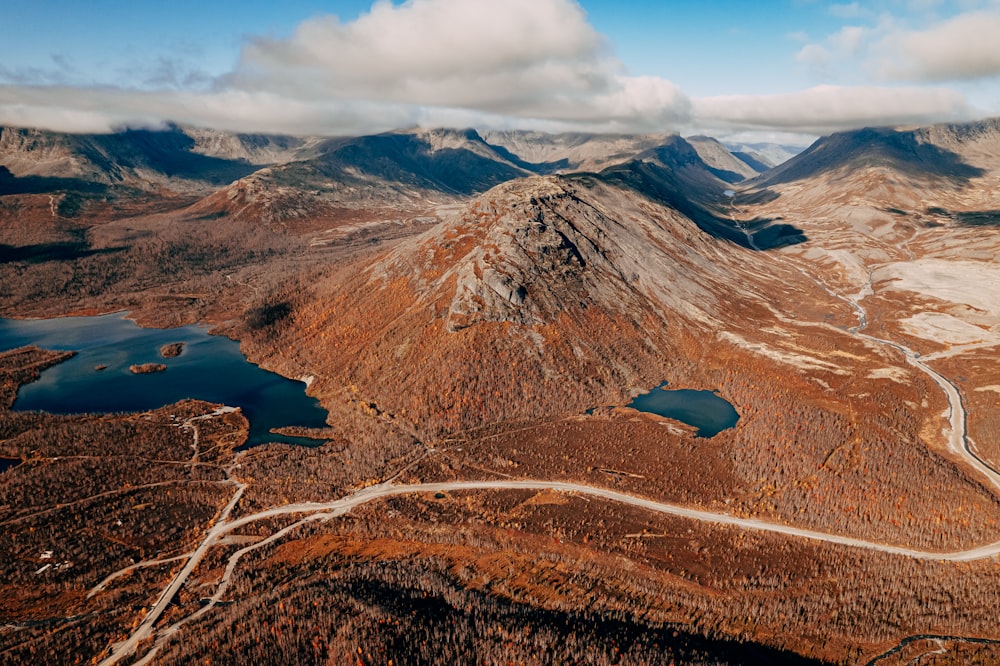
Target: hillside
point(549, 153)
point(728, 166)
point(674, 174)
point(405, 173)
point(149, 160)
point(476, 316)
point(768, 155)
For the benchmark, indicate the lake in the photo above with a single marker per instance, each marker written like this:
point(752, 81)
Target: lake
point(704, 410)
point(209, 367)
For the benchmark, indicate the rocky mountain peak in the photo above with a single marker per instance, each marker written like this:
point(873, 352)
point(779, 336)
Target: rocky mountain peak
point(528, 249)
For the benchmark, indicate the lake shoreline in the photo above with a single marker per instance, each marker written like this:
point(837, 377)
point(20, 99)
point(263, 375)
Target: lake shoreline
point(211, 367)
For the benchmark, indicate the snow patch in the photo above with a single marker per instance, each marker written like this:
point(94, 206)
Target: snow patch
point(782, 356)
point(895, 374)
point(945, 328)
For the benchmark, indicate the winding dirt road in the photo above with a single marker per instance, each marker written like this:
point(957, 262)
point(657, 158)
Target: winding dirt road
point(957, 439)
point(332, 509)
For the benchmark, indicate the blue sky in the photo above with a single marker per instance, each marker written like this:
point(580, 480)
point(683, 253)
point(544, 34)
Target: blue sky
point(780, 68)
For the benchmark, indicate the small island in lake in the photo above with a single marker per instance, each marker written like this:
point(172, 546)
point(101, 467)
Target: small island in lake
point(173, 350)
point(147, 368)
point(306, 433)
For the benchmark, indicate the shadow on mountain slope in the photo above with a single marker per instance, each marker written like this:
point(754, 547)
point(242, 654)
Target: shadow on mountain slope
point(168, 152)
point(56, 251)
point(11, 184)
point(975, 218)
point(463, 164)
point(686, 189)
point(906, 152)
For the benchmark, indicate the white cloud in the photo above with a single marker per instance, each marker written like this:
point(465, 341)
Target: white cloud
point(825, 109)
point(851, 39)
point(69, 109)
point(520, 63)
point(536, 59)
point(434, 51)
point(510, 63)
point(848, 10)
point(814, 55)
point(962, 48)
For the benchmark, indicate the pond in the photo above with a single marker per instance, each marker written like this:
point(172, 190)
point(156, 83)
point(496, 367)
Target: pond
point(8, 463)
point(704, 410)
point(208, 367)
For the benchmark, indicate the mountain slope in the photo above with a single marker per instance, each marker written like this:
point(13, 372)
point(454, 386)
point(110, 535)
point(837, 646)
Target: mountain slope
point(768, 155)
point(888, 179)
point(407, 171)
point(724, 164)
point(923, 153)
point(674, 174)
point(545, 153)
point(548, 294)
point(144, 160)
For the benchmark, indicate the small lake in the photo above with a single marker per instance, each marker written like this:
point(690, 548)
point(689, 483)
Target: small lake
point(210, 367)
point(7, 463)
point(704, 410)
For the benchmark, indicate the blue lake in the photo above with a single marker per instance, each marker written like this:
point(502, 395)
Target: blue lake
point(704, 410)
point(210, 368)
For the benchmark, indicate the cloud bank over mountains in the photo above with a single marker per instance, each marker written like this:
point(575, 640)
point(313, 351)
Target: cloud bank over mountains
point(523, 64)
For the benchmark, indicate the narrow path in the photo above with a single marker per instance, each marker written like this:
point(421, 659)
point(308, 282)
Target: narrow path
point(740, 225)
point(129, 569)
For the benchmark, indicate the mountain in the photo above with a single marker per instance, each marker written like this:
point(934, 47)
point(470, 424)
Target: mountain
point(173, 159)
point(924, 175)
point(545, 153)
point(410, 172)
point(914, 153)
point(550, 294)
point(728, 166)
point(674, 174)
point(259, 149)
point(766, 154)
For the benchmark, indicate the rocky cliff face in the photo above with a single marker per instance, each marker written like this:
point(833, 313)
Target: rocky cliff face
point(259, 149)
point(530, 249)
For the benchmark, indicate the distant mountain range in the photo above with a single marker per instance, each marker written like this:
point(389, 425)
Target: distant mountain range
point(459, 162)
point(274, 179)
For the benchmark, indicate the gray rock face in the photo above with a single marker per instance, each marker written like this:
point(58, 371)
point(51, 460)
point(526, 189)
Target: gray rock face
point(528, 250)
point(501, 281)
